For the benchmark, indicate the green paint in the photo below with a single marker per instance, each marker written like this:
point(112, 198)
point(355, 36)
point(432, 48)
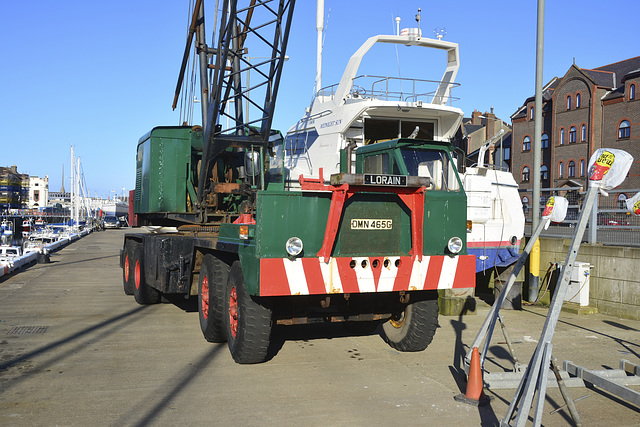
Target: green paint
point(163, 168)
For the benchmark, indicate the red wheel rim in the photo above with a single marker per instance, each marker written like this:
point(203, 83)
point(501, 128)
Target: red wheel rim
point(233, 311)
point(205, 297)
point(126, 268)
point(137, 274)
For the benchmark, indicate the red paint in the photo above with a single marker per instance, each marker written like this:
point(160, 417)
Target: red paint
point(137, 274)
point(233, 311)
point(273, 277)
point(126, 268)
point(348, 276)
point(403, 277)
point(313, 274)
point(465, 273)
point(433, 272)
point(205, 297)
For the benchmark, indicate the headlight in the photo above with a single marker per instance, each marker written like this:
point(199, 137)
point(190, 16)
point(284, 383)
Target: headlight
point(294, 246)
point(454, 245)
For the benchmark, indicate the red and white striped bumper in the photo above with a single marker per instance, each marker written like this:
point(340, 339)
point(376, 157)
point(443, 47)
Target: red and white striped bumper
point(311, 276)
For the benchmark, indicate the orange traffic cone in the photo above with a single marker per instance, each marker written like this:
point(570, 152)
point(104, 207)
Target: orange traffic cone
point(474, 394)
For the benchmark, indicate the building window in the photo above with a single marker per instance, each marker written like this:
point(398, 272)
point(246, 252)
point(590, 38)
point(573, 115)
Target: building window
point(572, 169)
point(544, 172)
point(507, 153)
point(632, 91)
point(569, 102)
point(582, 167)
point(578, 100)
point(36, 196)
point(572, 135)
point(560, 170)
point(531, 113)
point(621, 201)
point(526, 144)
point(525, 174)
point(544, 141)
point(562, 136)
point(583, 133)
point(525, 204)
point(624, 130)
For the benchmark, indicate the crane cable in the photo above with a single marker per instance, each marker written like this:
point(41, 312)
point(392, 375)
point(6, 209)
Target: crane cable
point(187, 98)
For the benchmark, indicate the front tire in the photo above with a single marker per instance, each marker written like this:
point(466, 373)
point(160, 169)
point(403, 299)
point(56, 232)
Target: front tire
point(412, 329)
point(143, 293)
point(213, 277)
point(248, 321)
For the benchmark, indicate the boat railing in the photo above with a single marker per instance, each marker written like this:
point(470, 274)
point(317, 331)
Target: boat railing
point(392, 89)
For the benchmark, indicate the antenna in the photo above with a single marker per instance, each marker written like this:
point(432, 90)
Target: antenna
point(440, 32)
point(397, 25)
point(418, 18)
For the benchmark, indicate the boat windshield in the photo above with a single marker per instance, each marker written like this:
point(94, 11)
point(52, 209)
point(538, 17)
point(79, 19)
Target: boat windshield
point(432, 164)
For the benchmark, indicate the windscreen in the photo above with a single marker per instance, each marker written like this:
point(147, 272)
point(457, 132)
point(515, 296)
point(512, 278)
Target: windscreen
point(432, 164)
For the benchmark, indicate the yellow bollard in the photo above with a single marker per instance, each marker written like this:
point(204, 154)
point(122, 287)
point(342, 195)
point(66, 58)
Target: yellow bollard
point(534, 271)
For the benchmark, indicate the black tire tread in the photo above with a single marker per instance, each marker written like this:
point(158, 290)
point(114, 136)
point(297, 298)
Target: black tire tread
point(251, 344)
point(145, 294)
point(213, 328)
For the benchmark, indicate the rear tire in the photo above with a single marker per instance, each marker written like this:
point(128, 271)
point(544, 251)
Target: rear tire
point(414, 328)
point(214, 274)
point(127, 270)
point(248, 321)
point(143, 293)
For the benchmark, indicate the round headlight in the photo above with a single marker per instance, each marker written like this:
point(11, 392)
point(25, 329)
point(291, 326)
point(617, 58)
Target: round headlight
point(294, 246)
point(454, 245)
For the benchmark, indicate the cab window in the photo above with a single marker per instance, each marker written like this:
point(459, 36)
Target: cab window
point(378, 163)
point(434, 165)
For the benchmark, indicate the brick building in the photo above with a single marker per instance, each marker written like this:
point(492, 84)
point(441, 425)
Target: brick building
point(481, 127)
point(584, 110)
point(14, 189)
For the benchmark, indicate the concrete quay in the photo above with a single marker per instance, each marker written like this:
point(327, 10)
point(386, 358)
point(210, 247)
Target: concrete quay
point(76, 351)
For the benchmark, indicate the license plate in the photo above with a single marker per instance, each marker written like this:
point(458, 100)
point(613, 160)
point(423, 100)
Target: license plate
point(371, 224)
point(392, 180)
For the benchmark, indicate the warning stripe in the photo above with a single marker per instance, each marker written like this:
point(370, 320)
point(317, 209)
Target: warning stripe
point(310, 276)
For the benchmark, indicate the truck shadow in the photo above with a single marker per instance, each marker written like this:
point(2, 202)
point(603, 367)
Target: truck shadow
point(318, 331)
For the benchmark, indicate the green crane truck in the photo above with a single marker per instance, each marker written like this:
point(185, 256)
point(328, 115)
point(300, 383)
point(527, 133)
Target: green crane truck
point(223, 219)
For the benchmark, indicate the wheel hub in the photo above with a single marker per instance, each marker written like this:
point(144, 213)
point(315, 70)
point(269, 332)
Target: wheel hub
point(233, 311)
point(205, 297)
point(398, 320)
point(137, 274)
point(126, 268)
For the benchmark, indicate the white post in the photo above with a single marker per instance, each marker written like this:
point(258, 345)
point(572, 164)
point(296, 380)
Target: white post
point(73, 183)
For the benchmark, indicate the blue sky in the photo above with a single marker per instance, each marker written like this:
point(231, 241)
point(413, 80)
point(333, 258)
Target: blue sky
point(98, 75)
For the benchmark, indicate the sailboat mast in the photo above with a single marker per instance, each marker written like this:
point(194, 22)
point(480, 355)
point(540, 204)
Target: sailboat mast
point(320, 30)
point(73, 186)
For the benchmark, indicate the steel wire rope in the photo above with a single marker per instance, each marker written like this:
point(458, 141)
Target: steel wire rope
point(186, 98)
point(182, 91)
